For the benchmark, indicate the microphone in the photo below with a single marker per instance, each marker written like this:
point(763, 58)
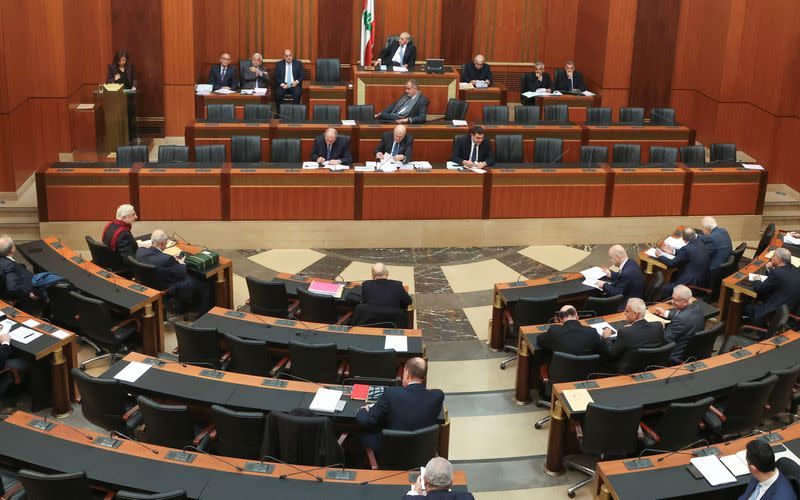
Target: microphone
point(298, 469)
point(194, 448)
point(589, 377)
point(117, 433)
point(518, 278)
point(384, 324)
point(764, 343)
point(284, 476)
point(559, 157)
point(301, 379)
point(201, 363)
point(395, 474)
point(177, 237)
point(680, 450)
point(90, 438)
point(681, 367)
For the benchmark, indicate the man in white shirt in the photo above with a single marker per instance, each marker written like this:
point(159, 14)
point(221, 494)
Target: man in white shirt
point(767, 482)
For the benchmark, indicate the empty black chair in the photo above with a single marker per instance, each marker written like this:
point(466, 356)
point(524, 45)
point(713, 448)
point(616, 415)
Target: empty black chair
point(293, 113)
point(366, 363)
point(701, 345)
point(248, 356)
point(547, 150)
point(285, 151)
point(170, 153)
point(166, 425)
point(96, 323)
point(166, 495)
point(626, 153)
point(634, 116)
point(592, 155)
point(508, 148)
point(62, 309)
point(640, 359)
point(693, 154)
point(257, 112)
point(781, 398)
point(327, 113)
point(362, 113)
point(749, 333)
point(661, 154)
point(677, 427)
point(743, 409)
point(239, 434)
point(456, 110)
point(316, 362)
point(301, 439)
point(317, 308)
point(198, 346)
point(495, 114)
point(104, 256)
point(601, 306)
point(41, 486)
point(766, 237)
point(526, 311)
point(566, 367)
point(598, 116)
point(103, 402)
point(652, 290)
point(267, 298)
point(662, 116)
point(245, 149)
point(128, 155)
point(407, 449)
point(737, 254)
point(558, 113)
point(723, 152)
point(220, 112)
point(210, 153)
point(527, 114)
point(328, 70)
point(146, 274)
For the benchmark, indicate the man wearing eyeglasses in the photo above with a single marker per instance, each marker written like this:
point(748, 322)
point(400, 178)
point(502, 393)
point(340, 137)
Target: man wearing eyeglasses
point(223, 75)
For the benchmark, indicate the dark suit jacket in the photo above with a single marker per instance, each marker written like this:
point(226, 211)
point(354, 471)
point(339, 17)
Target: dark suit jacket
point(385, 292)
point(340, 150)
point(297, 72)
point(418, 113)
point(639, 334)
point(692, 264)
point(231, 77)
point(628, 281)
point(463, 146)
point(530, 83)
point(127, 77)
point(782, 286)
point(781, 489)
point(17, 278)
point(5, 352)
point(683, 326)
point(409, 56)
point(126, 243)
point(469, 72)
point(403, 408)
point(249, 78)
point(172, 272)
point(571, 338)
point(443, 495)
point(387, 141)
point(562, 82)
point(718, 246)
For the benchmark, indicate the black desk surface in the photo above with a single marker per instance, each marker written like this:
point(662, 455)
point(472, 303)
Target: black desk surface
point(296, 281)
point(44, 343)
point(557, 286)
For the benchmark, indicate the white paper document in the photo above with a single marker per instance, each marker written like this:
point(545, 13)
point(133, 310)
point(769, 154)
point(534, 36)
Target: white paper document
point(652, 253)
point(325, 400)
point(397, 342)
point(406, 166)
point(528, 94)
point(337, 166)
point(31, 323)
point(203, 88)
point(752, 166)
point(372, 164)
point(348, 122)
point(6, 325)
point(788, 454)
point(735, 465)
point(713, 470)
point(260, 91)
point(132, 372)
point(388, 167)
point(400, 69)
point(676, 243)
point(756, 277)
point(25, 335)
point(363, 168)
point(422, 165)
point(454, 166)
point(600, 326)
point(459, 123)
point(481, 84)
point(557, 93)
point(224, 91)
point(477, 170)
point(593, 273)
point(60, 334)
point(591, 283)
point(788, 238)
point(587, 93)
point(650, 317)
point(310, 165)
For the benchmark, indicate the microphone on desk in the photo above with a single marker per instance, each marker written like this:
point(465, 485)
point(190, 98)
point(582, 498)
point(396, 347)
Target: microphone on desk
point(559, 157)
point(90, 438)
point(299, 379)
point(594, 374)
point(679, 450)
point(195, 448)
point(284, 476)
point(682, 367)
point(117, 433)
point(388, 476)
point(298, 469)
point(201, 363)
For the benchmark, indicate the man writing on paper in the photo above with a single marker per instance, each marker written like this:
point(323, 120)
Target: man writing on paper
point(628, 281)
point(400, 52)
point(223, 75)
point(717, 242)
point(569, 79)
point(331, 148)
point(28, 291)
point(782, 286)
point(637, 333)
point(686, 319)
point(398, 145)
point(412, 107)
point(289, 75)
point(472, 151)
point(767, 482)
point(691, 261)
point(570, 336)
point(477, 72)
point(117, 233)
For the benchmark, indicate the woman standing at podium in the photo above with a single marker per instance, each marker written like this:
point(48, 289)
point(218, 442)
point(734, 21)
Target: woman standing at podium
point(121, 71)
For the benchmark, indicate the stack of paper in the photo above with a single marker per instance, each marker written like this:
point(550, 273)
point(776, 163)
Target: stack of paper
point(652, 253)
point(465, 86)
point(32, 323)
point(593, 273)
point(326, 288)
point(406, 166)
point(422, 165)
point(338, 166)
point(713, 470)
point(260, 91)
point(203, 88)
point(400, 69)
point(454, 166)
point(587, 93)
point(367, 168)
point(600, 326)
point(397, 342)
point(752, 166)
point(481, 84)
point(756, 277)
point(557, 93)
point(348, 122)
point(224, 91)
point(459, 123)
point(388, 167)
point(310, 165)
point(132, 372)
point(477, 170)
point(325, 400)
point(650, 317)
point(736, 465)
point(788, 238)
point(676, 243)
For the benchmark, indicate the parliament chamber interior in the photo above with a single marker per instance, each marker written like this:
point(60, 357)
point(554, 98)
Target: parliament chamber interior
point(378, 249)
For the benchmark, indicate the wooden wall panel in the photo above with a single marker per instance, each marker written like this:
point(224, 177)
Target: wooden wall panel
point(178, 108)
point(590, 40)
point(702, 34)
point(510, 30)
point(271, 26)
point(3, 81)
point(334, 39)
point(654, 52)
point(216, 31)
point(560, 30)
point(619, 45)
point(177, 18)
point(87, 42)
point(457, 39)
point(421, 18)
point(6, 166)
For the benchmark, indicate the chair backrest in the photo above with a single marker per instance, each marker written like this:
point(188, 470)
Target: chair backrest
point(534, 310)
point(662, 116)
point(301, 439)
point(566, 367)
point(780, 399)
point(791, 471)
point(737, 254)
point(267, 298)
point(171, 153)
point(495, 114)
point(362, 113)
point(716, 275)
point(508, 148)
point(165, 425)
point(103, 255)
point(392, 38)
point(239, 433)
point(210, 153)
point(317, 308)
point(245, 149)
point(146, 274)
point(373, 364)
point(166, 495)
point(653, 287)
point(558, 113)
point(626, 153)
point(408, 449)
point(328, 113)
point(723, 152)
point(102, 400)
point(681, 423)
point(634, 116)
point(701, 345)
point(456, 110)
point(328, 70)
point(777, 320)
point(598, 116)
point(547, 150)
point(198, 345)
point(693, 154)
point(766, 238)
point(256, 112)
point(94, 318)
point(600, 306)
point(293, 113)
point(527, 114)
point(610, 431)
point(379, 316)
point(745, 405)
point(285, 150)
point(642, 358)
point(248, 356)
point(661, 154)
point(128, 155)
point(220, 112)
point(41, 486)
point(591, 155)
point(315, 362)
point(62, 306)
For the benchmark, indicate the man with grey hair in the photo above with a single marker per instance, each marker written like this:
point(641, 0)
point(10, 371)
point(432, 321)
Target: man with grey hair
point(531, 82)
point(691, 261)
point(331, 149)
point(570, 336)
point(412, 107)
point(477, 72)
point(437, 482)
point(569, 79)
point(686, 319)
point(627, 281)
point(781, 286)
point(397, 145)
point(717, 242)
point(117, 233)
point(385, 299)
point(254, 74)
point(637, 333)
point(27, 291)
point(399, 52)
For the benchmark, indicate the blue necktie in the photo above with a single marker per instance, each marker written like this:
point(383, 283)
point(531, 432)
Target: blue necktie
point(328, 154)
point(395, 148)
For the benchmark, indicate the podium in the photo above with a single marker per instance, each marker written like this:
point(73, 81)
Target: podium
point(114, 127)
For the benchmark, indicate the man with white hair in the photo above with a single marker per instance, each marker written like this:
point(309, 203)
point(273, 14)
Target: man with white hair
point(331, 148)
point(26, 290)
point(717, 242)
point(531, 82)
point(477, 71)
point(400, 52)
point(437, 482)
point(686, 319)
point(628, 281)
point(255, 75)
point(397, 144)
point(637, 333)
point(383, 300)
point(411, 107)
point(117, 233)
point(782, 286)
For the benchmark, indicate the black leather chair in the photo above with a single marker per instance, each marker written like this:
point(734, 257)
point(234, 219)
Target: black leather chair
point(737, 255)
point(406, 449)
point(267, 298)
point(766, 238)
point(316, 308)
point(626, 153)
point(245, 149)
point(327, 113)
point(315, 362)
point(367, 363)
point(104, 256)
point(128, 155)
point(662, 116)
point(598, 116)
point(710, 294)
point(679, 425)
point(508, 148)
point(526, 311)
point(592, 155)
point(661, 154)
point(701, 345)
point(301, 439)
point(257, 112)
point(556, 113)
point(96, 323)
point(527, 114)
point(170, 153)
point(548, 150)
point(166, 495)
point(62, 310)
point(210, 153)
point(220, 112)
point(41, 486)
point(328, 70)
point(693, 154)
point(248, 356)
point(456, 110)
point(633, 116)
point(723, 152)
point(782, 398)
point(146, 274)
point(198, 346)
point(495, 114)
point(601, 306)
point(776, 323)
point(653, 288)
point(104, 403)
point(564, 367)
point(640, 359)
point(168, 425)
point(293, 113)
point(361, 113)
point(238, 434)
point(743, 409)
point(392, 38)
point(791, 471)
point(285, 150)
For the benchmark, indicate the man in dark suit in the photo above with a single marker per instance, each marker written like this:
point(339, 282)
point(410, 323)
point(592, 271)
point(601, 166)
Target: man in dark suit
point(28, 291)
point(412, 107)
point(539, 79)
point(717, 242)
point(407, 408)
point(691, 261)
point(570, 336)
point(397, 144)
point(400, 52)
point(477, 71)
point(569, 79)
point(289, 76)
point(628, 281)
point(782, 286)
point(254, 74)
point(223, 75)
point(767, 482)
point(470, 150)
point(117, 233)
point(437, 482)
point(331, 148)
point(381, 291)
point(637, 333)
point(686, 320)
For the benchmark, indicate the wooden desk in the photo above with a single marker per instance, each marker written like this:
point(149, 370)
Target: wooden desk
point(433, 142)
point(238, 101)
point(382, 88)
point(576, 104)
point(726, 190)
point(645, 136)
point(335, 94)
point(306, 132)
point(647, 191)
point(649, 264)
point(477, 99)
point(221, 275)
point(100, 187)
point(173, 193)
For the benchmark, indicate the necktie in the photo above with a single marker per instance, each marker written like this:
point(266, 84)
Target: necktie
point(756, 492)
point(289, 79)
point(570, 84)
point(474, 156)
point(402, 52)
point(401, 104)
point(222, 73)
point(328, 154)
point(395, 148)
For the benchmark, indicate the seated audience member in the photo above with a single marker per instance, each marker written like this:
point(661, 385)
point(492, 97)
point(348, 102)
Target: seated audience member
point(570, 79)
point(407, 408)
point(686, 319)
point(472, 151)
point(412, 107)
point(637, 333)
point(7, 379)
point(397, 144)
point(381, 291)
point(691, 261)
point(400, 52)
point(539, 79)
point(628, 281)
point(223, 75)
point(571, 336)
point(782, 286)
point(477, 71)
point(117, 233)
point(289, 75)
point(717, 242)
point(191, 293)
point(255, 75)
point(331, 148)
point(437, 482)
point(766, 481)
point(27, 290)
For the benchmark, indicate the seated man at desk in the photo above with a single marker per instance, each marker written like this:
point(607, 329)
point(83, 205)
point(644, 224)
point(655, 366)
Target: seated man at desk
point(471, 150)
point(437, 482)
point(191, 293)
point(628, 281)
point(781, 286)
point(686, 320)
point(397, 144)
point(254, 75)
point(331, 148)
point(289, 75)
point(717, 242)
point(407, 408)
point(571, 336)
point(412, 107)
point(223, 75)
point(539, 79)
point(477, 72)
point(117, 233)
point(400, 52)
point(16, 366)
point(384, 302)
point(28, 291)
point(691, 261)
point(569, 79)
point(767, 482)
point(637, 333)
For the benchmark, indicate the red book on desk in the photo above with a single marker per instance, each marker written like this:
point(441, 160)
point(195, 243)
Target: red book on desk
point(325, 288)
point(360, 392)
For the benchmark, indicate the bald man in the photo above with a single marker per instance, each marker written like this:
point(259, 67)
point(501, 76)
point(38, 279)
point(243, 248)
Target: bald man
point(223, 75)
point(397, 144)
point(289, 76)
point(331, 148)
point(628, 281)
point(570, 336)
point(637, 333)
point(381, 291)
point(476, 71)
point(400, 52)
